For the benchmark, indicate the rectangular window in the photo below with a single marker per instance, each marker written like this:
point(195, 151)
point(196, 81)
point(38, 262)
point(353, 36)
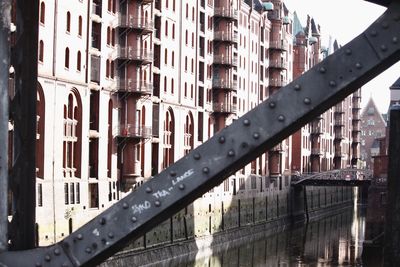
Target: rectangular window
point(66, 195)
point(93, 195)
point(72, 195)
point(226, 185)
point(40, 195)
point(78, 194)
point(242, 184)
point(253, 182)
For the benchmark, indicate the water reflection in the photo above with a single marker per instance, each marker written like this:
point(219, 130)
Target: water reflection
point(333, 241)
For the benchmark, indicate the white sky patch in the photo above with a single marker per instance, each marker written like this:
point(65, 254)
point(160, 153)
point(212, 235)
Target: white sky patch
point(344, 20)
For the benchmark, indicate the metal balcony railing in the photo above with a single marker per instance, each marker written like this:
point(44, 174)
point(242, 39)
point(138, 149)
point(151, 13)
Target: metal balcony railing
point(224, 84)
point(130, 21)
point(277, 82)
point(339, 134)
point(96, 9)
point(225, 60)
point(130, 53)
point(277, 148)
point(279, 45)
point(356, 138)
point(356, 116)
point(131, 86)
point(339, 122)
point(316, 129)
point(316, 151)
point(278, 64)
point(134, 131)
point(225, 107)
point(225, 36)
point(339, 109)
point(356, 105)
point(226, 12)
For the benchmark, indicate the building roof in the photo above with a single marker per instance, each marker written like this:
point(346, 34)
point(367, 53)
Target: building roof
point(297, 27)
point(371, 108)
point(314, 29)
point(396, 85)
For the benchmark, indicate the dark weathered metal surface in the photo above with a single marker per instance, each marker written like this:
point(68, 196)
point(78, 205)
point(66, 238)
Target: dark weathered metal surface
point(392, 227)
point(23, 114)
point(282, 114)
point(5, 21)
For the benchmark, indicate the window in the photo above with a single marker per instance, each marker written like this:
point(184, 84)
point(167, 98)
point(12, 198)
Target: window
point(108, 35)
point(168, 138)
point(68, 21)
point(72, 136)
point(188, 143)
point(40, 133)
point(173, 31)
point(165, 56)
point(166, 28)
point(80, 26)
point(186, 37)
point(173, 59)
point(172, 86)
point(173, 5)
point(165, 84)
point(66, 62)
point(186, 63)
point(41, 51)
point(185, 92)
point(42, 12)
point(78, 61)
point(187, 11)
point(39, 195)
point(110, 138)
point(66, 195)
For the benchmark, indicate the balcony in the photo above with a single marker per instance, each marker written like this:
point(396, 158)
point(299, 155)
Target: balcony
point(224, 84)
point(338, 154)
point(356, 105)
point(135, 23)
point(278, 64)
point(316, 129)
point(226, 12)
point(130, 86)
point(316, 151)
point(279, 45)
point(134, 131)
point(356, 116)
point(339, 122)
point(356, 138)
point(339, 109)
point(129, 53)
point(96, 9)
point(357, 94)
point(224, 107)
point(356, 125)
point(277, 148)
point(225, 36)
point(225, 60)
point(339, 135)
point(277, 83)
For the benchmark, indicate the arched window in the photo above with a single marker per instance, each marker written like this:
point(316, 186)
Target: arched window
point(80, 26)
point(41, 51)
point(66, 62)
point(108, 35)
point(186, 37)
point(107, 68)
point(165, 84)
point(185, 92)
point(186, 63)
point(173, 31)
point(112, 69)
point(42, 12)
point(72, 136)
point(78, 61)
point(165, 56)
point(172, 86)
point(166, 28)
point(188, 143)
point(173, 59)
point(68, 21)
point(40, 117)
point(168, 139)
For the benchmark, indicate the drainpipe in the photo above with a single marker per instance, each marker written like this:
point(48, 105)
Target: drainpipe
point(4, 118)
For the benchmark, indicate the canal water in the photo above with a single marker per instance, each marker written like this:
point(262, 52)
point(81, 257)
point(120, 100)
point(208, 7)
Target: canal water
point(332, 241)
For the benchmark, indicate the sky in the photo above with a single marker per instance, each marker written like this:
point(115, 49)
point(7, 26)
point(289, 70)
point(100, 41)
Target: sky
point(344, 20)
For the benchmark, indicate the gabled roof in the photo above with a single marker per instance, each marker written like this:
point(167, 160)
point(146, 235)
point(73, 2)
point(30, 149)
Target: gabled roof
point(396, 85)
point(371, 104)
point(314, 29)
point(297, 27)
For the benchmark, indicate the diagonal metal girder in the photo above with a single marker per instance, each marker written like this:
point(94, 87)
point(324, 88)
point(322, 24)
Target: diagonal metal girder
point(205, 167)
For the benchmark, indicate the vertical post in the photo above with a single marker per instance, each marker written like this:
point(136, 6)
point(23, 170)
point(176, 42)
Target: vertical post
point(392, 227)
point(5, 13)
point(23, 113)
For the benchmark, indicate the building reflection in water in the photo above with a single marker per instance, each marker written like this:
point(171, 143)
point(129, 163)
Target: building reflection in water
point(333, 241)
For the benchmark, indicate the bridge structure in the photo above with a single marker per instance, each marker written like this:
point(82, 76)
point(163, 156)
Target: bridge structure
point(283, 113)
point(342, 177)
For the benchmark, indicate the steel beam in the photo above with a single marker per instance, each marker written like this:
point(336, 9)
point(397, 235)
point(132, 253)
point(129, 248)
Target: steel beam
point(392, 224)
point(23, 114)
point(229, 150)
point(5, 13)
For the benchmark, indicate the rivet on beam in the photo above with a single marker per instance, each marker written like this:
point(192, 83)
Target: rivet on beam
point(231, 153)
point(246, 122)
point(221, 139)
point(102, 221)
point(157, 203)
point(133, 219)
point(206, 170)
point(385, 25)
point(297, 87)
point(395, 40)
point(383, 48)
point(256, 135)
point(281, 118)
point(307, 101)
point(196, 156)
point(348, 51)
point(373, 33)
point(358, 65)
point(181, 186)
point(172, 173)
point(322, 70)
point(332, 83)
point(125, 205)
point(272, 104)
point(148, 190)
